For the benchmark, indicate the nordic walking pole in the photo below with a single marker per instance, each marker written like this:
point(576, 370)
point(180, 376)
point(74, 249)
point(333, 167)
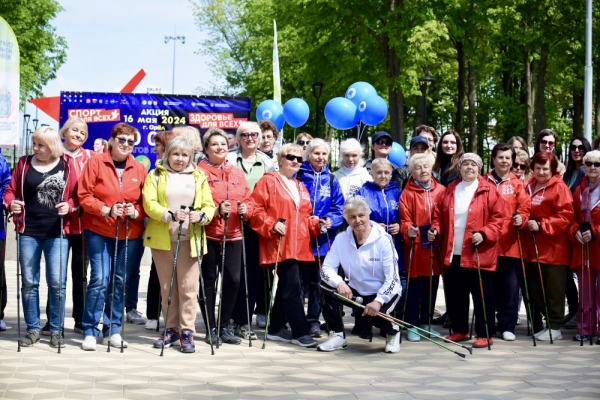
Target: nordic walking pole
point(3, 270)
point(537, 257)
point(124, 282)
point(487, 332)
point(448, 320)
point(585, 227)
point(199, 252)
point(164, 335)
point(84, 269)
point(527, 303)
point(410, 258)
point(245, 277)
point(273, 288)
point(18, 283)
point(60, 284)
point(114, 276)
point(472, 323)
point(220, 291)
point(159, 311)
point(581, 298)
point(430, 310)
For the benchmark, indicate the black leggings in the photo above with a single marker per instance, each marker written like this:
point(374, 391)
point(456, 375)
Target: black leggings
point(3, 299)
point(79, 266)
point(153, 294)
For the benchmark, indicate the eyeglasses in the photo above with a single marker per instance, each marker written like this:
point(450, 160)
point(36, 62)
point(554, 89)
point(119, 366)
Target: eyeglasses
point(303, 142)
point(252, 135)
point(122, 141)
point(595, 164)
point(573, 147)
point(547, 143)
point(291, 157)
point(383, 142)
point(520, 166)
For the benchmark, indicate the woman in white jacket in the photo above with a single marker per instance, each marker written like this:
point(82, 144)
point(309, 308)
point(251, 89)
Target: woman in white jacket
point(369, 259)
point(351, 174)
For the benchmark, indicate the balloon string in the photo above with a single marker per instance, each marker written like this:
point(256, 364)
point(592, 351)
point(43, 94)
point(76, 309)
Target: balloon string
point(294, 135)
point(362, 132)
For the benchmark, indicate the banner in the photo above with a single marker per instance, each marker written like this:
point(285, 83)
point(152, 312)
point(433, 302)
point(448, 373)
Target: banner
point(9, 85)
point(150, 114)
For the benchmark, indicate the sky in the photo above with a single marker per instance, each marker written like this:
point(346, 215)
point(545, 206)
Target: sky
point(110, 41)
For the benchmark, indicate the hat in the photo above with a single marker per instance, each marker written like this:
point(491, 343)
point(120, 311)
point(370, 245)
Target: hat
point(418, 139)
point(471, 157)
point(379, 135)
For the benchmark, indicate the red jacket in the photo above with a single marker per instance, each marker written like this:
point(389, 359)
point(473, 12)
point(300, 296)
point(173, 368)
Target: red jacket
point(512, 191)
point(79, 162)
point(595, 222)
point(552, 208)
point(486, 215)
point(272, 200)
point(416, 207)
point(99, 186)
point(14, 191)
point(226, 183)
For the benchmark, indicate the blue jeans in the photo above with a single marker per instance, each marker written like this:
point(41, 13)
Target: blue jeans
point(31, 253)
point(98, 300)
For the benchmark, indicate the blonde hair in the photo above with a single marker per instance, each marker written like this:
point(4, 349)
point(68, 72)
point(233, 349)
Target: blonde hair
point(213, 132)
point(190, 133)
point(418, 158)
point(50, 138)
point(74, 121)
point(179, 142)
point(245, 126)
point(287, 149)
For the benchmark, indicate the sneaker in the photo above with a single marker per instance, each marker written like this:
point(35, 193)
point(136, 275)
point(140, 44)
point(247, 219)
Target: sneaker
point(458, 337)
point(568, 318)
point(56, 340)
point(242, 331)
point(336, 341)
point(315, 331)
point(578, 338)
point(30, 339)
point(556, 335)
point(89, 343)
point(2, 326)
point(187, 342)
point(172, 339)
point(441, 320)
point(433, 331)
point(115, 340)
point(261, 321)
point(412, 336)
point(543, 331)
point(227, 336)
point(518, 320)
point(135, 317)
point(572, 324)
point(214, 336)
point(508, 336)
point(151, 324)
point(482, 342)
point(392, 343)
point(305, 341)
point(281, 336)
point(78, 328)
point(46, 329)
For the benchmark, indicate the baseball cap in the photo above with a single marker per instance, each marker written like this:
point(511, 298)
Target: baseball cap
point(418, 139)
point(379, 135)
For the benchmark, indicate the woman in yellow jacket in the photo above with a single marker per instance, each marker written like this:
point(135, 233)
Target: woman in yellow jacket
point(174, 183)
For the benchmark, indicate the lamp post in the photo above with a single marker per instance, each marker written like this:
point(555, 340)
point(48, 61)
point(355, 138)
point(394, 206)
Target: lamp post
point(35, 123)
point(174, 39)
point(28, 137)
point(26, 118)
point(424, 80)
point(317, 88)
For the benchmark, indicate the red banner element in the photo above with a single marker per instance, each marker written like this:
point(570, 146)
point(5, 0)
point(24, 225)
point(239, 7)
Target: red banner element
point(215, 120)
point(96, 114)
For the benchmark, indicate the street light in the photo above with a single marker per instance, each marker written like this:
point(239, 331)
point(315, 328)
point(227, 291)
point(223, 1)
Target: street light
point(29, 134)
point(424, 80)
point(174, 39)
point(317, 88)
point(35, 123)
point(26, 118)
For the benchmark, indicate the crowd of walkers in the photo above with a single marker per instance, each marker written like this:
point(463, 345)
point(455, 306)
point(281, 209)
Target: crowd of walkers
point(237, 230)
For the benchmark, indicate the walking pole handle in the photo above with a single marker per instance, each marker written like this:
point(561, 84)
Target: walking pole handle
point(282, 220)
point(241, 215)
point(584, 227)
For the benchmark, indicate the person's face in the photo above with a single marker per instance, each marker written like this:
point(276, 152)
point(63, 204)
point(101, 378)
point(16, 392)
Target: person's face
point(419, 148)
point(159, 149)
point(41, 150)
point(98, 146)
point(249, 139)
point(358, 219)
point(351, 159)
point(217, 149)
point(381, 175)
point(268, 141)
point(318, 157)
point(179, 159)
point(289, 163)
point(449, 145)
point(122, 146)
point(517, 145)
point(74, 137)
point(422, 172)
point(542, 172)
point(231, 143)
point(547, 143)
point(304, 142)
point(503, 161)
point(577, 150)
point(592, 170)
point(518, 168)
point(469, 171)
point(382, 147)
point(429, 138)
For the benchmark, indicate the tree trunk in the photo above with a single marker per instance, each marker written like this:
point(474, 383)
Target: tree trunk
point(540, 96)
point(460, 101)
point(529, 96)
point(472, 99)
point(396, 107)
point(578, 113)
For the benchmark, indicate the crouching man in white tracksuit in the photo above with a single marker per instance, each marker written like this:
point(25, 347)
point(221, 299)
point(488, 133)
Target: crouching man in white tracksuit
point(367, 255)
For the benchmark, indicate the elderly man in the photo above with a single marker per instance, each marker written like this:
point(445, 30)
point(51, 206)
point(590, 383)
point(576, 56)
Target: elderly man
point(366, 254)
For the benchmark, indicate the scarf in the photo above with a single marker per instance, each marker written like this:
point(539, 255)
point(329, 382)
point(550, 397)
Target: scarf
point(586, 200)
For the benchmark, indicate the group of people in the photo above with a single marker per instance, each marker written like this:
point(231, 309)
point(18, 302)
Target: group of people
point(231, 223)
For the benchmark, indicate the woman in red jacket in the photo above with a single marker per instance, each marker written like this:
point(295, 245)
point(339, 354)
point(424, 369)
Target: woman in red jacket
point(276, 196)
point(551, 215)
point(470, 214)
point(231, 194)
point(509, 272)
point(110, 190)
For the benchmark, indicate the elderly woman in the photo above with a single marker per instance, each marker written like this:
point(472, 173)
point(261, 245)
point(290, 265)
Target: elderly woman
point(351, 173)
point(282, 209)
point(327, 201)
point(448, 153)
point(303, 140)
point(583, 234)
point(520, 167)
point(193, 135)
point(550, 217)
point(509, 272)
point(269, 133)
point(417, 203)
point(110, 191)
point(42, 194)
point(469, 217)
point(179, 183)
point(374, 279)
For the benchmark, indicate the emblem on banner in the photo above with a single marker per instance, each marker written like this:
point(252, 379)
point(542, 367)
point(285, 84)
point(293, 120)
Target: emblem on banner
point(4, 103)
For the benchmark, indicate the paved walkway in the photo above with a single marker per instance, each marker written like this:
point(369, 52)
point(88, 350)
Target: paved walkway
point(422, 370)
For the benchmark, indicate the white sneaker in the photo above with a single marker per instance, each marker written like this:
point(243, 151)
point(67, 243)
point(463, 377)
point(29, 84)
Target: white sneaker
point(556, 335)
point(519, 321)
point(336, 341)
point(135, 317)
point(151, 324)
point(2, 326)
point(543, 331)
point(89, 343)
point(115, 341)
point(392, 343)
point(508, 336)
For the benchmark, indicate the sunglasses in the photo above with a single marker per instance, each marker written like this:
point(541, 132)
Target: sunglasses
point(252, 135)
point(595, 164)
point(520, 166)
point(548, 143)
point(303, 142)
point(291, 157)
point(123, 141)
point(573, 147)
point(383, 142)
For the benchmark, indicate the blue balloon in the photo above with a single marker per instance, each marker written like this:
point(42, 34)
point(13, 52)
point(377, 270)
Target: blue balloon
point(359, 91)
point(341, 113)
point(397, 155)
point(372, 110)
point(272, 111)
point(296, 112)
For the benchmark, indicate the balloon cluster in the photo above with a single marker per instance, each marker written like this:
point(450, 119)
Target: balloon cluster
point(360, 104)
point(295, 112)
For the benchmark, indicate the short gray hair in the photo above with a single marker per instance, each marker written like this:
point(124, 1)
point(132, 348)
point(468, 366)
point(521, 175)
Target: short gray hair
point(384, 162)
point(347, 146)
point(356, 203)
point(593, 156)
point(178, 142)
point(316, 143)
point(418, 158)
